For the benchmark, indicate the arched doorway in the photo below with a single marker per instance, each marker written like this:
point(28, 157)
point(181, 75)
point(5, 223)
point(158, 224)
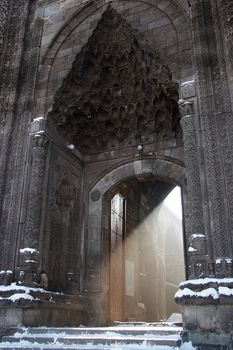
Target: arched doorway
point(118, 206)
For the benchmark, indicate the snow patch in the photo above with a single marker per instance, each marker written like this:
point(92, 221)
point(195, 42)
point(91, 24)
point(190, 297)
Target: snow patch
point(225, 291)
point(191, 249)
point(207, 293)
point(187, 346)
point(38, 118)
point(187, 82)
point(198, 235)
point(17, 296)
point(28, 250)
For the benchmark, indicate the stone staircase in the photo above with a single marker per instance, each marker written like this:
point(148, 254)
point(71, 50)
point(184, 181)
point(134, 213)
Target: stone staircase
point(121, 337)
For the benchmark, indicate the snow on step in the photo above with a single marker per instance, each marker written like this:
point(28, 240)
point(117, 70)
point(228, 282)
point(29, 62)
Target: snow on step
point(103, 338)
point(130, 330)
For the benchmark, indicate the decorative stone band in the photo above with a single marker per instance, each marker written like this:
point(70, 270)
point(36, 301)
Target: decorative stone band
point(205, 291)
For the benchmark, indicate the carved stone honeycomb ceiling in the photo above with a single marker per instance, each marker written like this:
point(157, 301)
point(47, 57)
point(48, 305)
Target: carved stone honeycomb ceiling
point(117, 91)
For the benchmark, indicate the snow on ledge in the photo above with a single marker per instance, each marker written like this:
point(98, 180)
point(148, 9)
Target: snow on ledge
point(29, 250)
point(197, 235)
point(225, 291)
point(205, 281)
point(18, 296)
point(206, 293)
point(15, 287)
point(221, 287)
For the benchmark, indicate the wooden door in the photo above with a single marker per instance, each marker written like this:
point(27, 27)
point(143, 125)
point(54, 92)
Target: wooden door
point(117, 259)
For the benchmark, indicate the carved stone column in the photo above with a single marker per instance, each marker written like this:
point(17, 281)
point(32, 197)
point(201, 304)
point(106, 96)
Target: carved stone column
point(214, 98)
point(198, 255)
point(29, 253)
point(207, 303)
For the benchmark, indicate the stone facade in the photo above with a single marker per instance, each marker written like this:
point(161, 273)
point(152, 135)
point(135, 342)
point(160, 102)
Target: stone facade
point(89, 98)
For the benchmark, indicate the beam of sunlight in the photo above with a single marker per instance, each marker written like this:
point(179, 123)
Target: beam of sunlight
point(173, 201)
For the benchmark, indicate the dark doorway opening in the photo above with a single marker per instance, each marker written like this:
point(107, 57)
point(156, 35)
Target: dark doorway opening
point(146, 250)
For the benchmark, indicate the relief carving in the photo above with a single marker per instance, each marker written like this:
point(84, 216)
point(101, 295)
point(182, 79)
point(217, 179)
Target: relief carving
point(117, 90)
point(63, 226)
point(65, 193)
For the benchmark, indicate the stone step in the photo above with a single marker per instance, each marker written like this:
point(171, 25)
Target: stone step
point(91, 338)
point(127, 330)
point(103, 340)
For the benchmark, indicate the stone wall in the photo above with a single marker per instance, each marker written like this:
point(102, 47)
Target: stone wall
point(67, 29)
point(41, 41)
point(53, 32)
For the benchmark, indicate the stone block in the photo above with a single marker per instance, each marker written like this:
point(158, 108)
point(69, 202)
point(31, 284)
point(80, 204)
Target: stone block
point(65, 52)
point(46, 39)
point(122, 172)
point(51, 9)
point(207, 325)
point(11, 317)
point(159, 23)
point(126, 152)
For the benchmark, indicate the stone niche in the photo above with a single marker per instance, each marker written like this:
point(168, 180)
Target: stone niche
point(62, 243)
point(118, 91)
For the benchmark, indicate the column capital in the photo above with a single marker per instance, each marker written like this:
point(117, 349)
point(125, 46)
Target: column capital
point(40, 140)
